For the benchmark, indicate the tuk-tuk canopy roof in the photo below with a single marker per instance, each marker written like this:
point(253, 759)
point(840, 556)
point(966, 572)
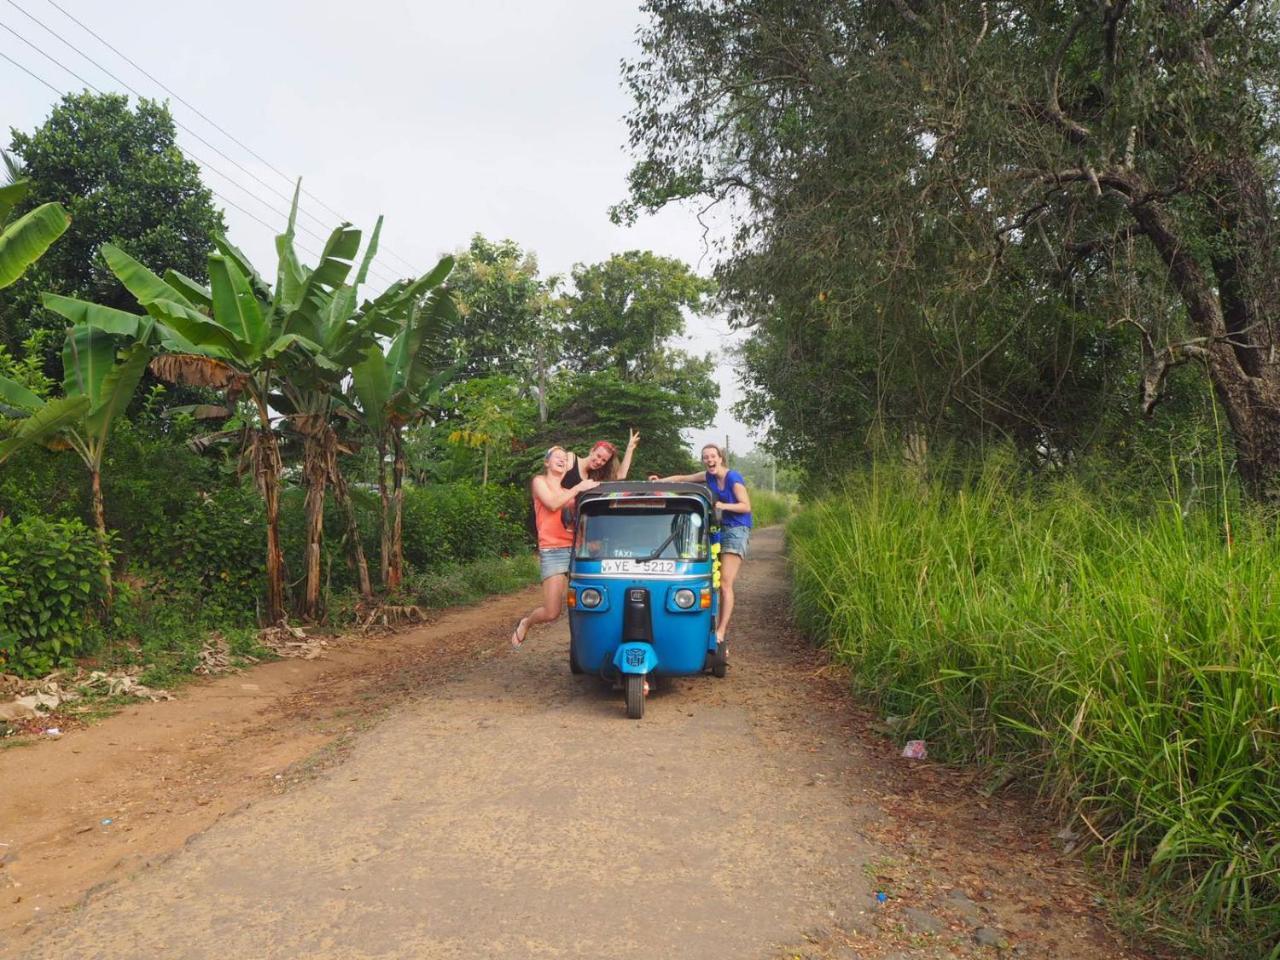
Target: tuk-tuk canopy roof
point(618, 489)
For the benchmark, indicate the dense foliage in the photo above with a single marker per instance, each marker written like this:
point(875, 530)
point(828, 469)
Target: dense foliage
point(50, 589)
point(1119, 655)
point(973, 220)
point(504, 307)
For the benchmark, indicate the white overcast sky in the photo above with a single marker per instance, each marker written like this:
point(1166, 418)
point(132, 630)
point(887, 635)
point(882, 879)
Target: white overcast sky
point(503, 118)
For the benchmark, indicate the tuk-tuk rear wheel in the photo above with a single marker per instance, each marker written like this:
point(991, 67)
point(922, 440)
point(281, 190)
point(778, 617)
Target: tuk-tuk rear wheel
point(634, 688)
point(719, 661)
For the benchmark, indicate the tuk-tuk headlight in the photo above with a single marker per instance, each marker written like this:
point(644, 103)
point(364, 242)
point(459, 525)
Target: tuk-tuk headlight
point(685, 599)
point(590, 598)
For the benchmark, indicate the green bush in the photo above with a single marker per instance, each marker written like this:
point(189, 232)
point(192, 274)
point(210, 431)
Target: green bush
point(216, 546)
point(50, 588)
point(1125, 657)
point(472, 581)
point(151, 480)
point(41, 483)
point(164, 624)
point(458, 522)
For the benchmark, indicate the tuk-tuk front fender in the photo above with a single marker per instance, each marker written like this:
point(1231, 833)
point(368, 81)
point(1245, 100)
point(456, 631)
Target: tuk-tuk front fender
point(635, 658)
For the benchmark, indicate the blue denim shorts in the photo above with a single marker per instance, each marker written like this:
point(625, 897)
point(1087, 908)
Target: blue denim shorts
point(553, 561)
point(735, 540)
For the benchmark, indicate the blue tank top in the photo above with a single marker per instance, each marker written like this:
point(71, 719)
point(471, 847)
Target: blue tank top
point(725, 495)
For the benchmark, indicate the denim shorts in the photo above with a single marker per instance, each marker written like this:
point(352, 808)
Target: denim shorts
point(735, 540)
point(553, 561)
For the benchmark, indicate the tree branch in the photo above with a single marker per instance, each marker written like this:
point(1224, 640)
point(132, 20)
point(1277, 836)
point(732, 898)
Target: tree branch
point(1053, 76)
point(911, 16)
point(1159, 365)
point(1218, 19)
point(1085, 248)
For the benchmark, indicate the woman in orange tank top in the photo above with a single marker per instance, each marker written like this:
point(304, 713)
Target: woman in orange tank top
point(555, 540)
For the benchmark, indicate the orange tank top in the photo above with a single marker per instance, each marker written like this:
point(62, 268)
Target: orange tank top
point(551, 529)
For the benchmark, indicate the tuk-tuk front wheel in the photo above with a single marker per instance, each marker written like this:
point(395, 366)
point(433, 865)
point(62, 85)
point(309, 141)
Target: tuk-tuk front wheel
point(574, 665)
point(634, 687)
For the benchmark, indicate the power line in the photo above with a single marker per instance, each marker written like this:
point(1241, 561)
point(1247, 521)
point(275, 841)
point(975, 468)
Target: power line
point(91, 86)
point(267, 163)
point(30, 74)
point(229, 202)
point(322, 240)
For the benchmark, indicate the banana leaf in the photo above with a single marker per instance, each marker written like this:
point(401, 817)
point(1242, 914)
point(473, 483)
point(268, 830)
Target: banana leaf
point(25, 240)
point(49, 419)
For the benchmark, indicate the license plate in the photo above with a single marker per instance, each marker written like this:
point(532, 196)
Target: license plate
point(637, 566)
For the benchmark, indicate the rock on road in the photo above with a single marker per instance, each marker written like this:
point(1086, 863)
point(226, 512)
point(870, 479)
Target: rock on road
point(513, 812)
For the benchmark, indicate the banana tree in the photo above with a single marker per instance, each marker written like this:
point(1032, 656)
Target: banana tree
point(240, 335)
point(314, 405)
point(311, 400)
point(97, 387)
point(395, 389)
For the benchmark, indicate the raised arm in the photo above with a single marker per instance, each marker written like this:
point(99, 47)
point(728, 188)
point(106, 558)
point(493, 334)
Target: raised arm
point(625, 466)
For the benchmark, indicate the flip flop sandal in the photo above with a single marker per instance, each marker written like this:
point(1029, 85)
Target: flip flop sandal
point(517, 637)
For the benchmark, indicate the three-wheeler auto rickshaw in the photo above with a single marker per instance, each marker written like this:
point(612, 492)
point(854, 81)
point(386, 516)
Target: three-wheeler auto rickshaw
point(644, 585)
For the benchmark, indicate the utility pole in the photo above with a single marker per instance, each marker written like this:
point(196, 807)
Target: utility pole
point(542, 384)
point(773, 479)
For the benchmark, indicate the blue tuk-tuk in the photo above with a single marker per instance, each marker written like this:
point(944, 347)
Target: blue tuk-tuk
point(643, 585)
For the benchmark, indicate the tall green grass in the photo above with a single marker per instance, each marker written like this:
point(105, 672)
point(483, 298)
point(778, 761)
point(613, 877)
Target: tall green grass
point(1123, 656)
point(770, 508)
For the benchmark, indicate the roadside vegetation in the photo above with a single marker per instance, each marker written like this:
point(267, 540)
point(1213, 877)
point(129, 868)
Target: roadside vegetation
point(769, 508)
point(1115, 652)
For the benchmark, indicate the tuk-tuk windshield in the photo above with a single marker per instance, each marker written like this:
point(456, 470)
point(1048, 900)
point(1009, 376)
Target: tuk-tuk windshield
point(614, 529)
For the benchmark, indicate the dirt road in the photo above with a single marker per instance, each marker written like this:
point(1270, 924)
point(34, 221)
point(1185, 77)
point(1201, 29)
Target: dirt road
point(503, 808)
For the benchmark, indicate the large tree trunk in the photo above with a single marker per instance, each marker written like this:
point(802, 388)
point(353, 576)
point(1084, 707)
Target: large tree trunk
point(315, 471)
point(1246, 377)
point(266, 469)
point(100, 524)
point(1234, 314)
point(396, 571)
point(1252, 406)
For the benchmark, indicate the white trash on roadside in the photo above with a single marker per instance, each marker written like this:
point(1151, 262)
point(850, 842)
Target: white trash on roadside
point(915, 750)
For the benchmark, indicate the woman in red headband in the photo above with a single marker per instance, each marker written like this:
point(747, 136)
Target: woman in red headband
point(601, 463)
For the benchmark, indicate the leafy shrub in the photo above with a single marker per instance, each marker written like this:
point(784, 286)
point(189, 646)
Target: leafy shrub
point(472, 581)
point(164, 624)
point(50, 585)
point(151, 479)
point(41, 483)
point(216, 547)
point(452, 523)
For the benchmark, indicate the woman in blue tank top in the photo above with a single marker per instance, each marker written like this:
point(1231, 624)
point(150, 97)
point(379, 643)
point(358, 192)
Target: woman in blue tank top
point(733, 505)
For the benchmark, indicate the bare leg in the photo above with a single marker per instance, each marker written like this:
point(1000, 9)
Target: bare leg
point(553, 591)
point(729, 564)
